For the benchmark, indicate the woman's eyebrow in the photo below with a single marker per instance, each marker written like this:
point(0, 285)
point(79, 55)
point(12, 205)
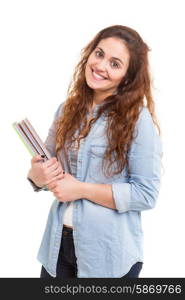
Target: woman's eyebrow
point(112, 57)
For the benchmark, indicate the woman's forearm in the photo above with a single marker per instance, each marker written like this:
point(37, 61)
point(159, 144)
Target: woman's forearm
point(98, 193)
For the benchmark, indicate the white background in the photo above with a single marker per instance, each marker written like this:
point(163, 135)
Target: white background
point(40, 46)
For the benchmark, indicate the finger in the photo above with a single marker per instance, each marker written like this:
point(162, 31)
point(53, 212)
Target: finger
point(56, 172)
point(36, 158)
point(54, 168)
point(52, 174)
point(52, 185)
point(49, 162)
point(60, 176)
point(55, 179)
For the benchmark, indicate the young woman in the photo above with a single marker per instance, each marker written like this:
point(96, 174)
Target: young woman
point(104, 137)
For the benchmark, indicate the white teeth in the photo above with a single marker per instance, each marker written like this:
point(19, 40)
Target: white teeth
point(97, 75)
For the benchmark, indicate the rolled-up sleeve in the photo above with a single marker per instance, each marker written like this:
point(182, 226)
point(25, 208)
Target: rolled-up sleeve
point(50, 141)
point(142, 189)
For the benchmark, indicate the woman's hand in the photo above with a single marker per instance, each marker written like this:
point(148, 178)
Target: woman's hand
point(43, 173)
point(66, 189)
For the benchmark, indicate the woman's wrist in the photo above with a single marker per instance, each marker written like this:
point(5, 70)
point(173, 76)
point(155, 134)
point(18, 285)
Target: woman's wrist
point(85, 190)
point(31, 179)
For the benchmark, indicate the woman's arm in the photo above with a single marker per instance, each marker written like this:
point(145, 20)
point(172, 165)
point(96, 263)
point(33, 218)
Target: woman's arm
point(50, 145)
point(98, 193)
point(71, 189)
point(141, 190)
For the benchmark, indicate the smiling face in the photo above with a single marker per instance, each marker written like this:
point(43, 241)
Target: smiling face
point(106, 67)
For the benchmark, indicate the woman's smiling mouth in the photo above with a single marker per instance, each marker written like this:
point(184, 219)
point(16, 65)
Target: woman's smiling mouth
point(97, 76)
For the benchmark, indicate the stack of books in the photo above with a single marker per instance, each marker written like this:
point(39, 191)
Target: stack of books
point(30, 138)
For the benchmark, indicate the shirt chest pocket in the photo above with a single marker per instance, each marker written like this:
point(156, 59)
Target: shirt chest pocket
point(97, 152)
point(96, 171)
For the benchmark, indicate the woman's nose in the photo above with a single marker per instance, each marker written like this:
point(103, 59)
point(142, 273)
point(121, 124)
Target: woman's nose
point(101, 65)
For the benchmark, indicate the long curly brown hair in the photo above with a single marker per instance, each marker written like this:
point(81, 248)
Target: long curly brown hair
point(122, 108)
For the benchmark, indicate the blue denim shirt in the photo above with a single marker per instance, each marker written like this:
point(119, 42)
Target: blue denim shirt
point(107, 241)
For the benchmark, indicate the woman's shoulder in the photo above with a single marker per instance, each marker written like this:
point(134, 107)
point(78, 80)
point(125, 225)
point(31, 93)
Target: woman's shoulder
point(146, 135)
point(59, 110)
point(145, 119)
point(145, 126)
point(144, 113)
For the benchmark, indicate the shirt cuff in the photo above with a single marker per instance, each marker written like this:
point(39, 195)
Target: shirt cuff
point(37, 188)
point(121, 194)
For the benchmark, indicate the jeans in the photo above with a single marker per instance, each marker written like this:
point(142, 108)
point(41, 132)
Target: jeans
point(66, 265)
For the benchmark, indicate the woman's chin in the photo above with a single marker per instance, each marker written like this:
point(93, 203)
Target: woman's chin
point(96, 87)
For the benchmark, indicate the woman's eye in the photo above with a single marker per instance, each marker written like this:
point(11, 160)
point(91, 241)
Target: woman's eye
point(115, 64)
point(98, 53)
